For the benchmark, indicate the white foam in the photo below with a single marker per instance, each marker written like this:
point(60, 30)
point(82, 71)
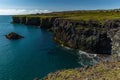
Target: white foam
point(67, 48)
point(89, 55)
point(91, 58)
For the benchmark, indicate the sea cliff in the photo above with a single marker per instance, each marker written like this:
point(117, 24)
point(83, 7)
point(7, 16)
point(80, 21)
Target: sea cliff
point(91, 35)
point(39, 21)
point(90, 31)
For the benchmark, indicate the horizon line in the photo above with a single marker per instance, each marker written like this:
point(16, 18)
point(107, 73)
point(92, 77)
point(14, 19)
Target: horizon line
point(35, 11)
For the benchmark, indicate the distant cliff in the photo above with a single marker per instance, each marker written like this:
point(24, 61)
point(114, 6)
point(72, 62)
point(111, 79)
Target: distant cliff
point(40, 22)
point(91, 36)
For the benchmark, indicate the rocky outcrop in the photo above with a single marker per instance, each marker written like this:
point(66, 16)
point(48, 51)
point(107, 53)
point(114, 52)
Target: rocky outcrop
point(91, 36)
point(13, 36)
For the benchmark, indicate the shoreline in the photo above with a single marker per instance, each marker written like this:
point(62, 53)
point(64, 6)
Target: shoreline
point(99, 35)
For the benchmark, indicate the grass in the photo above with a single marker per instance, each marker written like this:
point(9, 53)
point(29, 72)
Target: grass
point(100, 16)
point(32, 16)
point(102, 71)
point(80, 15)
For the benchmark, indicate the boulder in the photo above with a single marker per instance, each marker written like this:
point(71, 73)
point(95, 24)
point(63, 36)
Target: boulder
point(13, 36)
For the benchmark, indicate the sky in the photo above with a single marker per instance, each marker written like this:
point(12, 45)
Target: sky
point(44, 6)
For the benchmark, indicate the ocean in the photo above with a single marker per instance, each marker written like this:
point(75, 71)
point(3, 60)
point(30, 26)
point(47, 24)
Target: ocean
point(35, 55)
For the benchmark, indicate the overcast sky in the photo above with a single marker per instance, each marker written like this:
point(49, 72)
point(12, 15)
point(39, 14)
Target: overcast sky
point(35, 6)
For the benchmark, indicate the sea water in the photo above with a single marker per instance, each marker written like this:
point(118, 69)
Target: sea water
point(35, 55)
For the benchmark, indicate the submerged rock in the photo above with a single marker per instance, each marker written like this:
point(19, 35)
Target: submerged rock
point(13, 36)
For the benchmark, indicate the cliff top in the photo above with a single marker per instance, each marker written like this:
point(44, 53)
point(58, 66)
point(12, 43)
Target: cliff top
point(102, 71)
point(99, 15)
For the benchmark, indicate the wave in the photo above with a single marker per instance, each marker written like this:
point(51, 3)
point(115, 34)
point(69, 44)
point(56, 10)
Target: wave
point(92, 59)
point(89, 55)
point(87, 58)
point(84, 58)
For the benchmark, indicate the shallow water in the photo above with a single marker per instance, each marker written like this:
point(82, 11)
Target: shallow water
point(35, 55)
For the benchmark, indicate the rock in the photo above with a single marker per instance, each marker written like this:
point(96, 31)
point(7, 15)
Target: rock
point(36, 78)
point(16, 19)
point(13, 36)
point(39, 22)
point(34, 21)
point(84, 35)
point(103, 45)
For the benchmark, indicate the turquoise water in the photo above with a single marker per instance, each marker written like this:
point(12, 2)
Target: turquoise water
point(33, 56)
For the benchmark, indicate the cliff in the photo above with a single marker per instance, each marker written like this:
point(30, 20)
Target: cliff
point(90, 36)
point(93, 31)
point(39, 21)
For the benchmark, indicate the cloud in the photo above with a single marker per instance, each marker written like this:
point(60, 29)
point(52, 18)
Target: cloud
point(21, 11)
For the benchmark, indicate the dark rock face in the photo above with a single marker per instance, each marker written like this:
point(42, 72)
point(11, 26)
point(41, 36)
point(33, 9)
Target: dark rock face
point(88, 36)
point(16, 19)
point(40, 22)
point(35, 21)
point(13, 36)
point(23, 20)
point(103, 44)
point(47, 22)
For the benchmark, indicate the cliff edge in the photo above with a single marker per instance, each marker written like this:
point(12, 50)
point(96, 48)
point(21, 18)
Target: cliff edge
point(90, 31)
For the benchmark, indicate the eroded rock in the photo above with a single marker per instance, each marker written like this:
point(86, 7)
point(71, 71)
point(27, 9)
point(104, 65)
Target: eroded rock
point(13, 36)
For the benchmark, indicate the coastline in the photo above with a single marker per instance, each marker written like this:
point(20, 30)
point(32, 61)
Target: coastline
point(100, 37)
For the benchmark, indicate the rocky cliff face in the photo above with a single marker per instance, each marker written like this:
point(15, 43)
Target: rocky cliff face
point(41, 22)
point(114, 34)
point(16, 19)
point(90, 36)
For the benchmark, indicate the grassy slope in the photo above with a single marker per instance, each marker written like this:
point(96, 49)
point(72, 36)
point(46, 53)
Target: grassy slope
point(102, 71)
point(81, 15)
point(96, 16)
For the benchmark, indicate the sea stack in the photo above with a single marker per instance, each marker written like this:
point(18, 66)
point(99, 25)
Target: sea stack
point(13, 36)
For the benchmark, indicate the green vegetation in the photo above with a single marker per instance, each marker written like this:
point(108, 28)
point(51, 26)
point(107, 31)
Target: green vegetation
point(99, 15)
point(102, 71)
